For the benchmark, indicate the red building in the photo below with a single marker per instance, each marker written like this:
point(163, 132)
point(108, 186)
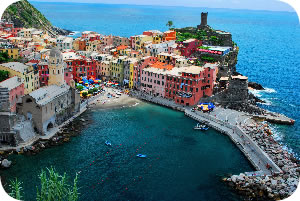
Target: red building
point(188, 47)
point(82, 67)
point(187, 85)
point(43, 73)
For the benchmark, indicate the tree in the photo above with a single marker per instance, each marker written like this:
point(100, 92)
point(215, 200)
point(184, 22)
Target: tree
point(169, 24)
point(95, 89)
point(3, 75)
point(91, 91)
point(4, 57)
point(80, 87)
point(84, 94)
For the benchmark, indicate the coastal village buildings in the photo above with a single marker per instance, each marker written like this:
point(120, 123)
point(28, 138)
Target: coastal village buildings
point(153, 62)
point(23, 71)
point(49, 106)
point(11, 50)
point(14, 89)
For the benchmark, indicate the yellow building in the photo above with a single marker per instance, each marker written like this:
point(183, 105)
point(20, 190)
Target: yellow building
point(117, 69)
point(92, 46)
point(140, 40)
point(23, 71)
point(12, 52)
point(131, 67)
point(157, 39)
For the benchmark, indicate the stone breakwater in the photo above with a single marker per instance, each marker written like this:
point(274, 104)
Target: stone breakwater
point(278, 171)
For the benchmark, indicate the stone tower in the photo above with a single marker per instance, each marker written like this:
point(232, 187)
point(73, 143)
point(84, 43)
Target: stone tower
point(203, 19)
point(56, 68)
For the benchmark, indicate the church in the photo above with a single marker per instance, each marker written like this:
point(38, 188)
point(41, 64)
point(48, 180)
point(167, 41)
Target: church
point(50, 106)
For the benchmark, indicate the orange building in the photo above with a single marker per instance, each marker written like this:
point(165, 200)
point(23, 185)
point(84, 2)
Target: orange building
point(82, 45)
point(169, 35)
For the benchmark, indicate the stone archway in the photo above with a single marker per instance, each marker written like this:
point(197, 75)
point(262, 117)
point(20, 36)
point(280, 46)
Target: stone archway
point(50, 126)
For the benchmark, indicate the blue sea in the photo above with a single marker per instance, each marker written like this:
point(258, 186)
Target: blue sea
point(182, 164)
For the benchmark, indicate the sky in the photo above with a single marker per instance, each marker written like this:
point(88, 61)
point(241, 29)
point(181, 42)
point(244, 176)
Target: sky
point(273, 5)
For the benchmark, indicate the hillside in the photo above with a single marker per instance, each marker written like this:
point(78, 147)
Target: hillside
point(23, 14)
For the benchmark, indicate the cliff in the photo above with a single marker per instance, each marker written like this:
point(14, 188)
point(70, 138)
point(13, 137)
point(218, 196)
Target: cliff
point(23, 14)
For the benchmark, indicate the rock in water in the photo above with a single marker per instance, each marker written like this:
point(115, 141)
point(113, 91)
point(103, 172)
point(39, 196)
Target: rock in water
point(255, 85)
point(6, 163)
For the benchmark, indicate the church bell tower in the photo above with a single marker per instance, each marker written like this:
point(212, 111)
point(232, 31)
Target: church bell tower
point(56, 68)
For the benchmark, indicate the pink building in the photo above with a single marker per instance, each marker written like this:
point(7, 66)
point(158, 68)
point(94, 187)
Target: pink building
point(153, 81)
point(144, 62)
point(15, 88)
point(108, 40)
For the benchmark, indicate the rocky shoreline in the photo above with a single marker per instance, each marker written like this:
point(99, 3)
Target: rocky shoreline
point(268, 187)
point(64, 135)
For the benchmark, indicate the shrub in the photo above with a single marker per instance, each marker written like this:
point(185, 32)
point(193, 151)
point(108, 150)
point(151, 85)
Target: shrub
point(79, 87)
point(84, 94)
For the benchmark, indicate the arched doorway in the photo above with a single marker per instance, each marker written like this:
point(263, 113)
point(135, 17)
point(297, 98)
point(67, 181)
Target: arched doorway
point(50, 126)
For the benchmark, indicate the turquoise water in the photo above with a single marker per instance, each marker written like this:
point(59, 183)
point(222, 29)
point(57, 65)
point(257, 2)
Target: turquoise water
point(181, 163)
point(269, 44)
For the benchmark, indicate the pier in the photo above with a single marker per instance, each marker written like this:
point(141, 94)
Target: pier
point(251, 150)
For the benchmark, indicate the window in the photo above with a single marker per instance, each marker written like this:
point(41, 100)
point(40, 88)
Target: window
point(196, 89)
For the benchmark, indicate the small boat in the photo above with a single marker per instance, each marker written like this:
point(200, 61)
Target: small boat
point(108, 143)
point(141, 156)
point(201, 127)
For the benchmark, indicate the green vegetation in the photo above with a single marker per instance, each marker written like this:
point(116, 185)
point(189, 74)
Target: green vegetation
point(84, 94)
point(169, 24)
point(80, 87)
point(95, 90)
point(216, 40)
point(91, 91)
point(200, 35)
point(23, 14)
point(203, 47)
point(4, 57)
point(3, 75)
point(15, 189)
point(208, 59)
point(54, 187)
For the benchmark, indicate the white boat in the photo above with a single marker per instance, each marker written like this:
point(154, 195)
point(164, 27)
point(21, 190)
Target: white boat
point(201, 127)
point(141, 155)
point(108, 143)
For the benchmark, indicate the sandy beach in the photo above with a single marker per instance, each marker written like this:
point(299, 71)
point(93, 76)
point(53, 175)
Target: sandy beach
point(118, 101)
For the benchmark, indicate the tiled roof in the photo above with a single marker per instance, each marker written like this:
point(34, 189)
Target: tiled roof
point(16, 66)
point(46, 94)
point(11, 83)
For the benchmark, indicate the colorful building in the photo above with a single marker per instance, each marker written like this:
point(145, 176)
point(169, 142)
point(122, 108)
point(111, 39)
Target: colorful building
point(82, 67)
point(188, 47)
point(187, 85)
point(23, 71)
point(14, 86)
point(169, 35)
point(11, 50)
